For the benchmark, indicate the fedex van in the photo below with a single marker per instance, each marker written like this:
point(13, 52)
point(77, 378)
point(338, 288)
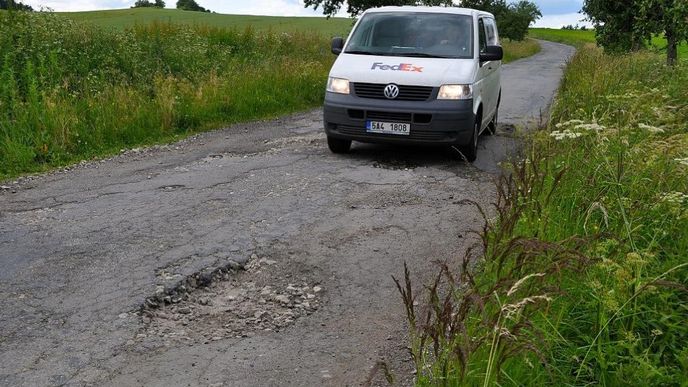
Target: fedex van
point(415, 75)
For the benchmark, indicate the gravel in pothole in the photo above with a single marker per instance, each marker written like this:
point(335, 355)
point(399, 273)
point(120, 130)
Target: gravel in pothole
point(259, 298)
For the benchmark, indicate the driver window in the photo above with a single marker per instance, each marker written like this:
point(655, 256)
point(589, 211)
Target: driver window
point(482, 38)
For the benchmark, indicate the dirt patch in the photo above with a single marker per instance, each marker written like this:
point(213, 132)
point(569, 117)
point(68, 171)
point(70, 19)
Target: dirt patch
point(228, 303)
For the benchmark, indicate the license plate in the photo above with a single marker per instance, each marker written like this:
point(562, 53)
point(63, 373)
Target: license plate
point(388, 128)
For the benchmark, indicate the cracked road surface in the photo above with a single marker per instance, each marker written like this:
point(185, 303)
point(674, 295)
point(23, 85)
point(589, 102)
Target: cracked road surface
point(83, 249)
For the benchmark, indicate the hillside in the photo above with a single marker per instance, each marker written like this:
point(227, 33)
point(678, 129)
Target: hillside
point(122, 18)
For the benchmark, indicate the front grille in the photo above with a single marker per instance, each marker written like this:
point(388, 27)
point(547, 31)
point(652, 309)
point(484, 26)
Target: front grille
point(372, 115)
point(416, 134)
point(389, 116)
point(406, 93)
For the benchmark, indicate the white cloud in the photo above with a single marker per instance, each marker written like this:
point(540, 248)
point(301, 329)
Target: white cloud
point(558, 21)
point(78, 5)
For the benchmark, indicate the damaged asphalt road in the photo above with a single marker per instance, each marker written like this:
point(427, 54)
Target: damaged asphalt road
point(245, 256)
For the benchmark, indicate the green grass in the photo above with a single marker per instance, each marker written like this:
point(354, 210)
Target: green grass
point(579, 38)
point(573, 37)
point(514, 50)
point(123, 18)
point(71, 91)
point(584, 278)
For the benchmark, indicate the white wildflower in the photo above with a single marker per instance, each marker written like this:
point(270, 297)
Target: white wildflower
point(651, 129)
point(594, 127)
point(674, 197)
point(560, 135)
point(683, 161)
point(569, 123)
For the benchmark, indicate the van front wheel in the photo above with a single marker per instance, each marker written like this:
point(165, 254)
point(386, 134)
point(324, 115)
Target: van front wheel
point(337, 145)
point(470, 151)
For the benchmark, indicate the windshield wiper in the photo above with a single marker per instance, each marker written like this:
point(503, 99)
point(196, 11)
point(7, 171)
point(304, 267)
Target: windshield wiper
point(424, 55)
point(360, 52)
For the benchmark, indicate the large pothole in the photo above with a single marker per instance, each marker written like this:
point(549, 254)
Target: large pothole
point(265, 295)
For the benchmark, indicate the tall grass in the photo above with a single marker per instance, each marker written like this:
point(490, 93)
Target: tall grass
point(70, 91)
point(584, 272)
point(514, 50)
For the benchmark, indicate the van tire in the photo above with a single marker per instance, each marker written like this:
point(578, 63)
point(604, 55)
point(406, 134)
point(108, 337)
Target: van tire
point(470, 151)
point(492, 126)
point(338, 145)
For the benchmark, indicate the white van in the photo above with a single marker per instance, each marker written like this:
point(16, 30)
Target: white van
point(416, 75)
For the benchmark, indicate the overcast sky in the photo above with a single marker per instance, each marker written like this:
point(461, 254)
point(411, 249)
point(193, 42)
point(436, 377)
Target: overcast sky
point(555, 12)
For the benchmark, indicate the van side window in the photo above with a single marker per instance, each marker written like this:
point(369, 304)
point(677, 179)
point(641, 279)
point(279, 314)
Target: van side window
point(491, 27)
point(482, 37)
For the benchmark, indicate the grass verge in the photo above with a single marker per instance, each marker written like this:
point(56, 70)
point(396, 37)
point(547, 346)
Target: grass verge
point(71, 91)
point(515, 50)
point(583, 278)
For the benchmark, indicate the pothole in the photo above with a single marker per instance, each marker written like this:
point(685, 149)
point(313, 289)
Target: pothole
point(394, 164)
point(265, 296)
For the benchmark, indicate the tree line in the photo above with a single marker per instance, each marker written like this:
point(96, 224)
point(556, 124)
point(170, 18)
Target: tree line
point(17, 5)
point(185, 5)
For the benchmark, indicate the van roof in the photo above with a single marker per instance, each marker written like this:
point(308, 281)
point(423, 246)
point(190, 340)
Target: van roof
point(414, 9)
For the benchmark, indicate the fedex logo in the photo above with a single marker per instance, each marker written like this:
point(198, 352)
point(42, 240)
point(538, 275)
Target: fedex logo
point(399, 67)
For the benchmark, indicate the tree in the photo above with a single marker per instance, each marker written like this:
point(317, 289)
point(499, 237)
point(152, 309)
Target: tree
point(615, 24)
point(356, 7)
point(517, 18)
point(668, 17)
point(11, 4)
point(147, 3)
point(625, 26)
point(513, 20)
point(190, 5)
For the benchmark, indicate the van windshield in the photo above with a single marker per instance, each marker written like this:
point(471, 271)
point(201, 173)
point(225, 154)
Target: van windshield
point(427, 35)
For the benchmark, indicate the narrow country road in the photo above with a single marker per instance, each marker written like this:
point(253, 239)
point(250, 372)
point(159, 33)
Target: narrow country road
point(123, 271)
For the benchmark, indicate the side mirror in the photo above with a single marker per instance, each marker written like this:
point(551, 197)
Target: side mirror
point(337, 45)
point(492, 53)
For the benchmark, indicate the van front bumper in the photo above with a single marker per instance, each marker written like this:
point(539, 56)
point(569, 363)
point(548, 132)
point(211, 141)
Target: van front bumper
point(440, 122)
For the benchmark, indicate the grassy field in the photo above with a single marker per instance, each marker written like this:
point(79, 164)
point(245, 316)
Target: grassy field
point(584, 279)
point(579, 38)
point(71, 91)
point(123, 18)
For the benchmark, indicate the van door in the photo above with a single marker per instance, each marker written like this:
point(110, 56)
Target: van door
point(489, 73)
point(495, 68)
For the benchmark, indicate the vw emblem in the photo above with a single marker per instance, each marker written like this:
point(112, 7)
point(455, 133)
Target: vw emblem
point(391, 91)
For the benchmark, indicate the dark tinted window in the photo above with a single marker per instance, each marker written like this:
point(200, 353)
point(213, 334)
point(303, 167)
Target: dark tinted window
point(413, 34)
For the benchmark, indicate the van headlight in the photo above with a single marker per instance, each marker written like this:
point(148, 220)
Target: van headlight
point(338, 85)
point(455, 92)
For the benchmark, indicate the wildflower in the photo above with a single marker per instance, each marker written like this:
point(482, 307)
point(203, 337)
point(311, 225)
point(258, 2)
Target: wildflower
point(674, 197)
point(569, 123)
point(634, 258)
point(651, 129)
point(683, 161)
point(557, 135)
point(594, 127)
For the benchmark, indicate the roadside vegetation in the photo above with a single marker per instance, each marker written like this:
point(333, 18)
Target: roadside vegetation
point(71, 91)
point(582, 275)
point(514, 49)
